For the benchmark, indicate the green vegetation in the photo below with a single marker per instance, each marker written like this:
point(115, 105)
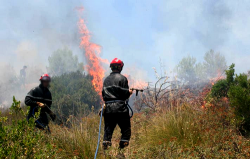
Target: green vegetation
point(19, 139)
point(179, 128)
point(214, 64)
point(63, 61)
point(237, 89)
point(178, 133)
point(73, 95)
point(188, 70)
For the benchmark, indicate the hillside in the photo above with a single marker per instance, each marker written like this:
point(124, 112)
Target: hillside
point(185, 131)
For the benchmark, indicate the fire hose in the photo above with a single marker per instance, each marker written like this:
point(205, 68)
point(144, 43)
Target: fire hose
point(100, 124)
point(99, 136)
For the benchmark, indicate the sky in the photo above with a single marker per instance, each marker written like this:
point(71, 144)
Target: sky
point(143, 33)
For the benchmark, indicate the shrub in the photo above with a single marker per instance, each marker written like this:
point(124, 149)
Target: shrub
point(20, 140)
point(239, 95)
point(73, 94)
point(237, 88)
point(220, 89)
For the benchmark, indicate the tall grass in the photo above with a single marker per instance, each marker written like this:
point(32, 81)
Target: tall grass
point(186, 132)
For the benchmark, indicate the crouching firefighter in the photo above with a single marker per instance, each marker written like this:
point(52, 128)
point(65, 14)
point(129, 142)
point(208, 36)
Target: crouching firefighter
point(40, 97)
point(115, 94)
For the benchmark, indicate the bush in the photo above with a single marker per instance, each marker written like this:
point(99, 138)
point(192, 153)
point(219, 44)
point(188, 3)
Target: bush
point(182, 132)
point(220, 89)
point(239, 95)
point(237, 89)
point(20, 140)
point(73, 94)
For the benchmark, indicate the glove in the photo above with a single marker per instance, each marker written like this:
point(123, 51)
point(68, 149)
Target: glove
point(41, 104)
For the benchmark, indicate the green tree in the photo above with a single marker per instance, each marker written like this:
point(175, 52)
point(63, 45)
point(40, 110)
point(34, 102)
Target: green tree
point(73, 94)
point(63, 61)
point(239, 95)
point(214, 64)
point(237, 89)
point(188, 69)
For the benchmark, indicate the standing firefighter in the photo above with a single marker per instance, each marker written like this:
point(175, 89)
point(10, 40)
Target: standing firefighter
point(40, 97)
point(23, 75)
point(115, 94)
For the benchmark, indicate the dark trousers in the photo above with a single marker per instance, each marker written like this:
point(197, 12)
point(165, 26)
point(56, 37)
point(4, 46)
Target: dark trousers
point(123, 121)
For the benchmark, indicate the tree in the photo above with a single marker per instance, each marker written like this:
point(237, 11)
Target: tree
point(190, 71)
point(73, 94)
point(187, 69)
point(63, 61)
point(237, 89)
point(214, 63)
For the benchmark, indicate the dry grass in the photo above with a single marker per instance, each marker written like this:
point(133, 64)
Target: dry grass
point(185, 131)
point(182, 133)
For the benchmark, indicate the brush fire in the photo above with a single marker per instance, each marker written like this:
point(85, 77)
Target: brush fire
point(66, 86)
point(92, 54)
point(94, 61)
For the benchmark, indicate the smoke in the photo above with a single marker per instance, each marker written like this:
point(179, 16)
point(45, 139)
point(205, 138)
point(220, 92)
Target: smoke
point(38, 25)
point(26, 52)
point(30, 32)
point(170, 29)
point(138, 32)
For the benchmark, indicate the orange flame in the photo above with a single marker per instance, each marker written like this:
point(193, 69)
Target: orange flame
point(219, 76)
point(208, 88)
point(92, 54)
point(94, 61)
point(133, 83)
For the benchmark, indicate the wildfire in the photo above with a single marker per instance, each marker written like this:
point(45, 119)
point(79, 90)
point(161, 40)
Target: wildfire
point(133, 83)
point(208, 88)
point(94, 61)
point(219, 76)
point(92, 54)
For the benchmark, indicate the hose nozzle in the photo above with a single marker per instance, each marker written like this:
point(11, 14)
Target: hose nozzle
point(137, 90)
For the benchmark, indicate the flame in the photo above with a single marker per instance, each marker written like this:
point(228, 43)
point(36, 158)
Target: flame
point(208, 88)
point(92, 54)
point(219, 76)
point(94, 61)
point(133, 83)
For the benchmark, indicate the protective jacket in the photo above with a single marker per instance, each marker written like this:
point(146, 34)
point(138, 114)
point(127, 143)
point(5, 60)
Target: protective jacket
point(115, 93)
point(39, 94)
point(115, 88)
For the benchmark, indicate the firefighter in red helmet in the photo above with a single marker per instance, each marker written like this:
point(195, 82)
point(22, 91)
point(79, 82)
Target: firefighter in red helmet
point(115, 93)
point(40, 96)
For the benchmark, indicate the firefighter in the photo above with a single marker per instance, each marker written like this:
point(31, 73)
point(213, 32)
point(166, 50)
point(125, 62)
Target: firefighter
point(40, 96)
point(23, 75)
point(115, 94)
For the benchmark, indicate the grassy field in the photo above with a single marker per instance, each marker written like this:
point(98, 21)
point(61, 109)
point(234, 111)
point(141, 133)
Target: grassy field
point(187, 132)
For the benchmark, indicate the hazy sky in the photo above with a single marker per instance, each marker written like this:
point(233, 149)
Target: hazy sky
point(140, 32)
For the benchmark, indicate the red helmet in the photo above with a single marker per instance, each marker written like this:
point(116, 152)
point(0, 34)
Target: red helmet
point(117, 61)
point(45, 77)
